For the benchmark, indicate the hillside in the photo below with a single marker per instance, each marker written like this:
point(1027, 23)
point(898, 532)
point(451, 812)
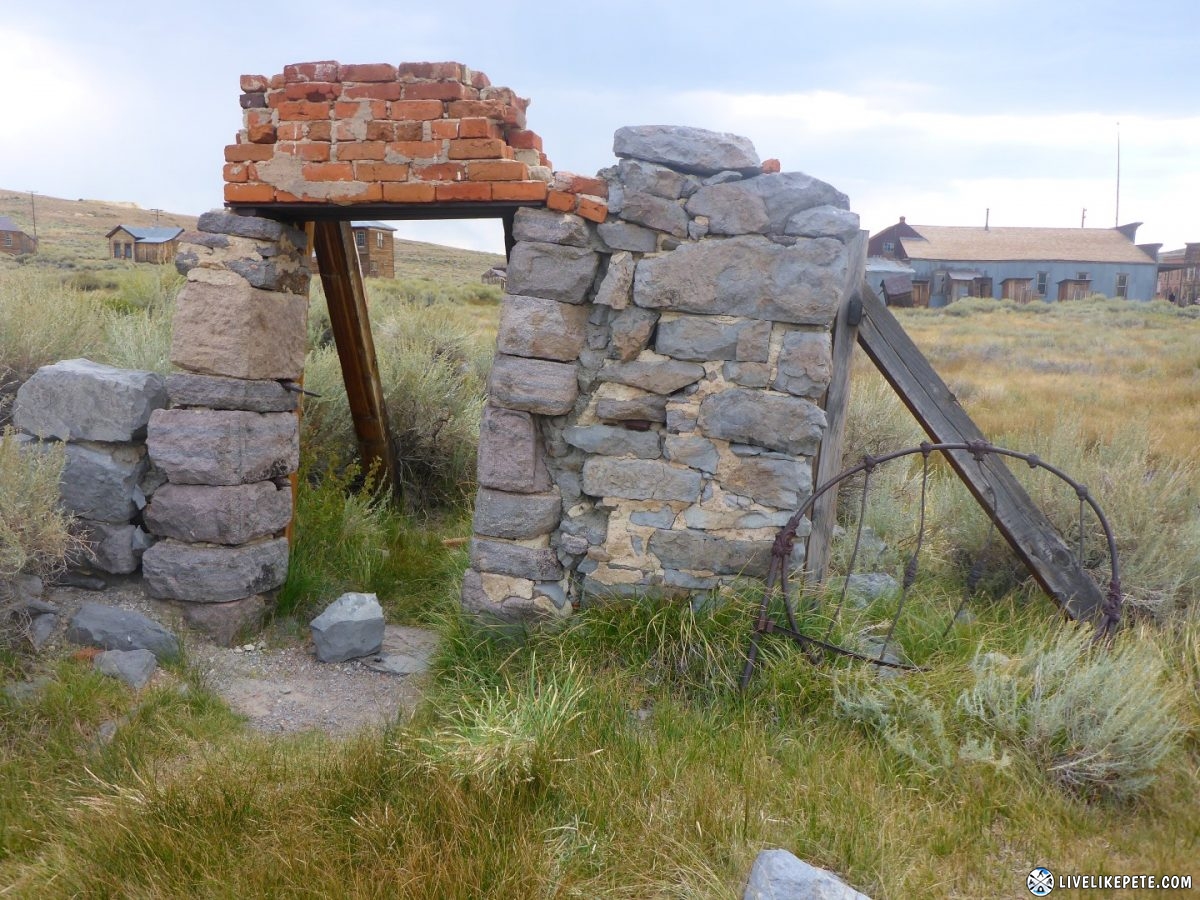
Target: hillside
point(446, 265)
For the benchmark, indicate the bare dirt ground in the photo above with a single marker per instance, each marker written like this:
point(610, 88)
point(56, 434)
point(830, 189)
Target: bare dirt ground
point(276, 682)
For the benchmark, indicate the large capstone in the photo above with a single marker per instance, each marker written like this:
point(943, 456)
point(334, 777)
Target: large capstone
point(687, 149)
point(217, 392)
point(79, 400)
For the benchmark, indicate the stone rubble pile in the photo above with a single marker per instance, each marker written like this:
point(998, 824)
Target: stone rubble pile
point(654, 406)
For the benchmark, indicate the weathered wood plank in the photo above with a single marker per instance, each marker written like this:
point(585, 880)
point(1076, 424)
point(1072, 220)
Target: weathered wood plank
point(1035, 541)
point(347, 300)
point(294, 478)
point(837, 402)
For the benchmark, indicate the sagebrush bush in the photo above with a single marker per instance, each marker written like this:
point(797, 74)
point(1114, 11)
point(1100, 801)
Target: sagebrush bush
point(35, 535)
point(1098, 720)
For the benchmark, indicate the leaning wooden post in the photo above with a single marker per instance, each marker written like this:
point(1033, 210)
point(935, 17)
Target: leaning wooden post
point(347, 301)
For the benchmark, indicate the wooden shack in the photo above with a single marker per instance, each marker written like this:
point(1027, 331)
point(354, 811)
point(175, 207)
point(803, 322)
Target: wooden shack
point(144, 245)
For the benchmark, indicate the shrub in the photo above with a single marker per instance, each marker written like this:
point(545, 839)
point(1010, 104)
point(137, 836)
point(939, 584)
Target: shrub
point(34, 533)
point(1098, 720)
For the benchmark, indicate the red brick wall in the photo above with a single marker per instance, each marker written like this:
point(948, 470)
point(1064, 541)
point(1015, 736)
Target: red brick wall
point(323, 132)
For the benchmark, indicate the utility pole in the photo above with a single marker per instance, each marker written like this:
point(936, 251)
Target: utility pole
point(33, 208)
point(156, 213)
point(1117, 216)
point(1083, 217)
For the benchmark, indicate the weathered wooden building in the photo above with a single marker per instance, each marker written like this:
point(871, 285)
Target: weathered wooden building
point(1022, 264)
point(1179, 275)
point(376, 247)
point(141, 244)
point(13, 240)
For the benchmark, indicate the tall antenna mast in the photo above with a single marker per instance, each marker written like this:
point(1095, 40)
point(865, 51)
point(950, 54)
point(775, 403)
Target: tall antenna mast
point(1117, 217)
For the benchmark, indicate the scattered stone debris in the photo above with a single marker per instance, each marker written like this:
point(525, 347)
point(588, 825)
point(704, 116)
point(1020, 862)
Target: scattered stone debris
point(119, 629)
point(780, 875)
point(350, 627)
point(134, 667)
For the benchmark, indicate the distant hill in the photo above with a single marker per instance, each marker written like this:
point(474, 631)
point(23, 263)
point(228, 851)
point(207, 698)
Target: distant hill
point(71, 233)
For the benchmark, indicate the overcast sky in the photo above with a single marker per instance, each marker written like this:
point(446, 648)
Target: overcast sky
point(933, 109)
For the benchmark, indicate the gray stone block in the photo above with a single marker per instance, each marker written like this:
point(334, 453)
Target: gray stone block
point(217, 392)
point(510, 452)
point(281, 274)
point(748, 276)
point(687, 149)
point(201, 573)
point(545, 226)
point(778, 875)
point(638, 177)
point(734, 208)
point(777, 422)
point(350, 627)
point(805, 364)
point(501, 558)
point(655, 212)
point(616, 287)
point(79, 400)
point(516, 516)
point(620, 235)
point(220, 221)
point(748, 374)
point(788, 193)
point(665, 377)
point(115, 548)
point(640, 479)
point(780, 483)
point(534, 385)
point(225, 623)
point(100, 481)
point(704, 338)
point(824, 221)
point(229, 514)
point(663, 517)
point(134, 667)
point(695, 550)
point(202, 446)
point(95, 625)
point(647, 408)
point(552, 271)
point(692, 451)
point(612, 441)
point(631, 330)
point(543, 329)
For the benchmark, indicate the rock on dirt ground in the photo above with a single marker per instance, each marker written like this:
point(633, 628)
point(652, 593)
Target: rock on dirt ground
point(276, 681)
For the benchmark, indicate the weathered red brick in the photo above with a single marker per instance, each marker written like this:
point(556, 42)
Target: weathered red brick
point(259, 128)
point(382, 131)
point(419, 110)
point(329, 171)
point(360, 109)
point(442, 171)
point(303, 110)
point(477, 148)
point(380, 171)
point(770, 165)
point(560, 201)
point(417, 149)
point(591, 208)
point(497, 170)
point(464, 190)
point(249, 193)
point(384, 91)
point(580, 184)
point(325, 70)
point(318, 131)
point(312, 90)
point(290, 131)
point(484, 109)
point(438, 90)
point(368, 72)
point(479, 80)
point(361, 150)
point(253, 83)
point(274, 98)
point(237, 172)
point(524, 140)
point(255, 100)
point(479, 128)
point(443, 128)
point(276, 83)
point(305, 150)
point(248, 152)
point(408, 192)
point(519, 190)
point(435, 71)
point(368, 193)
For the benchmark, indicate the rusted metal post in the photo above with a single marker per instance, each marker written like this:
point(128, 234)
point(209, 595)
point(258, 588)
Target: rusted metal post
point(347, 301)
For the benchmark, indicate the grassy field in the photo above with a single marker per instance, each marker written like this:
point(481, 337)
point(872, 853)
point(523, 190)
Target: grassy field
point(616, 757)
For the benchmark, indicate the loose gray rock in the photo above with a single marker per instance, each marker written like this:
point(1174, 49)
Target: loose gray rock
point(350, 627)
point(787, 424)
point(533, 385)
point(502, 558)
point(134, 667)
point(640, 479)
point(41, 627)
point(687, 149)
point(511, 455)
point(748, 276)
point(544, 226)
point(79, 400)
point(218, 392)
point(515, 516)
point(113, 548)
point(663, 377)
point(100, 481)
point(779, 875)
point(219, 514)
point(405, 651)
point(95, 625)
point(223, 447)
point(872, 586)
point(542, 329)
point(208, 574)
point(612, 441)
point(552, 271)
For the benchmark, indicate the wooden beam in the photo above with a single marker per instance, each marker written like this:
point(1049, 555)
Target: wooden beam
point(347, 300)
point(1027, 530)
point(294, 478)
point(837, 404)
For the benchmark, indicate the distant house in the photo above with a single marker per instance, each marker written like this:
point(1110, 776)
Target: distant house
point(376, 248)
point(495, 275)
point(13, 240)
point(1022, 264)
point(1179, 275)
point(152, 245)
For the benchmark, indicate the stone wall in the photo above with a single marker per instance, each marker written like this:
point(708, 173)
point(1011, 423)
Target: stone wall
point(654, 406)
point(230, 439)
point(101, 413)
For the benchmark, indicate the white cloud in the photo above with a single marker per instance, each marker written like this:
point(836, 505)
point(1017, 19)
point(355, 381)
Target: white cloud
point(56, 93)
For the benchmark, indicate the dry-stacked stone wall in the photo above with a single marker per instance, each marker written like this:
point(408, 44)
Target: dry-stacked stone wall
point(654, 406)
point(429, 132)
point(229, 440)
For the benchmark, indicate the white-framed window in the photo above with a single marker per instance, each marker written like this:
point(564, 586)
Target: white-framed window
point(8, 239)
point(1043, 279)
point(889, 247)
point(1081, 276)
point(1122, 285)
point(128, 251)
point(379, 239)
point(360, 238)
point(117, 250)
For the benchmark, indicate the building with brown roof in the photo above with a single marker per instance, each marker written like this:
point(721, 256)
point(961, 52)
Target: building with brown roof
point(13, 240)
point(376, 246)
point(142, 244)
point(1179, 275)
point(950, 262)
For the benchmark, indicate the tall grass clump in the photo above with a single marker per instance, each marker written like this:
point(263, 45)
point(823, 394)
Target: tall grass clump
point(1098, 720)
point(35, 535)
